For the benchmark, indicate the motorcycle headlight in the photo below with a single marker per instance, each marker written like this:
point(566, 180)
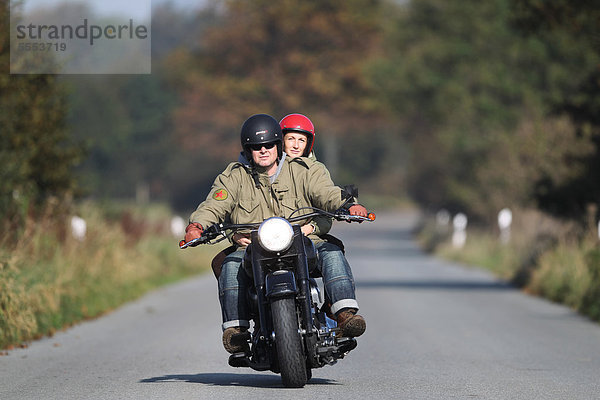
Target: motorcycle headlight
point(275, 234)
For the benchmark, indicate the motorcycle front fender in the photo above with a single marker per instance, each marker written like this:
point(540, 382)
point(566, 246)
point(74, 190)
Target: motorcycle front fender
point(280, 284)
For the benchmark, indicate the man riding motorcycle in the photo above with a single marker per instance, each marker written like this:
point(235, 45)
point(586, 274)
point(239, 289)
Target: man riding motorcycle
point(274, 185)
point(298, 141)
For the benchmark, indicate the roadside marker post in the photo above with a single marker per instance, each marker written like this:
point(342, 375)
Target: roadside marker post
point(504, 223)
point(459, 236)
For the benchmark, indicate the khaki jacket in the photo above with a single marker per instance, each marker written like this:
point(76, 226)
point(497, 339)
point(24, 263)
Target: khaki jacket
point(321, 223)
point(301, 182)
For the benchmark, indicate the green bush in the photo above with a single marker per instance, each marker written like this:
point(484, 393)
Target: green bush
point(590, 304)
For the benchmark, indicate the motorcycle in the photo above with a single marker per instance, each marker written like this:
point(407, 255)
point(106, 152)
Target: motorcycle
point(292, 332)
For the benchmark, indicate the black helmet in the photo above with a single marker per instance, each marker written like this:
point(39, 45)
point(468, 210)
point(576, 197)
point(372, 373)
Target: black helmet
point(259, 129)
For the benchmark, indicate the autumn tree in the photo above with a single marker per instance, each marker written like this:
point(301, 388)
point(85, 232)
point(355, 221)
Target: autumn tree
point(278, 58)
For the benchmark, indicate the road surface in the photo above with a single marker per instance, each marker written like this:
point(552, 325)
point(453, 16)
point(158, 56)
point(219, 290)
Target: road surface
point(435, 330)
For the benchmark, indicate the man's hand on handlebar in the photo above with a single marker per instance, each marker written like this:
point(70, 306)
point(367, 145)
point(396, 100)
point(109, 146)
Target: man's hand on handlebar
point(359, 210)
point(241, 239)
point(307, 229)
point(193, 231)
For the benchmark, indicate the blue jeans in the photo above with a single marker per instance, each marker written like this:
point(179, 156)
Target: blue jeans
point(233, 284)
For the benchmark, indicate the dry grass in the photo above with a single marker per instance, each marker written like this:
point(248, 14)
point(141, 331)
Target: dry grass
point(550, 258)
point(49, 280)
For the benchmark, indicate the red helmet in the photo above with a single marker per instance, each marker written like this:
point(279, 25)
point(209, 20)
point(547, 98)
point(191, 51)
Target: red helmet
point(299, 123)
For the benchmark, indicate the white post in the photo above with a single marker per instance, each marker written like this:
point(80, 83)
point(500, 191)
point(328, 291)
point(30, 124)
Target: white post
point(177, 226)
point(459, 236)
point(504, 222)
point(78, 228)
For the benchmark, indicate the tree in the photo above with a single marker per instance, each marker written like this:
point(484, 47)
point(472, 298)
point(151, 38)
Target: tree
point(278, 58)
point(467, 87)
point(36, 152)
point(125, 122)
point(577, 23)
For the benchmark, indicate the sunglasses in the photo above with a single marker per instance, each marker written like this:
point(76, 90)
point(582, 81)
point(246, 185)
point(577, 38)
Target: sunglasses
point(257, 147)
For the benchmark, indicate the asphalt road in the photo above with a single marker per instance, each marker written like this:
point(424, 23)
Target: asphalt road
point(435, 330)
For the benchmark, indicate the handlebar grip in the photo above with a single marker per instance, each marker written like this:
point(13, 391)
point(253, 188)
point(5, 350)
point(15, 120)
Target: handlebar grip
point(195, 242)
point(371, 216)
point(192, 243)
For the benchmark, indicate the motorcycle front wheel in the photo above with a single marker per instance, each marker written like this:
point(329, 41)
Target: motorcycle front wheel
point(292, 362)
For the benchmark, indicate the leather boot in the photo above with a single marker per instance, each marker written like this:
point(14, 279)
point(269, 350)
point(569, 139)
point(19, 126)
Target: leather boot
point(350, 323)
point(235, 340)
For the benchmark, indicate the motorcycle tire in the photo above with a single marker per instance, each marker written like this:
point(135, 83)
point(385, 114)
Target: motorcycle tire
point(292, 361)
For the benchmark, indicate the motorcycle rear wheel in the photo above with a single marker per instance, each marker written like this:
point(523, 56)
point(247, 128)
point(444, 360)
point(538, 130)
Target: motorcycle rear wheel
point(292, 361)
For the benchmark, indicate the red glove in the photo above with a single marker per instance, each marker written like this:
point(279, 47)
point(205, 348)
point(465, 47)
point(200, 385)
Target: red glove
point(357, 209)
point(193, 231)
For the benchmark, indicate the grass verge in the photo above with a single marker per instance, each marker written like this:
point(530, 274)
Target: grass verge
point(49, 281)
point(545, 257)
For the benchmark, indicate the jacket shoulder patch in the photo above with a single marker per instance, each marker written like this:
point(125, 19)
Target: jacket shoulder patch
point(220, 194)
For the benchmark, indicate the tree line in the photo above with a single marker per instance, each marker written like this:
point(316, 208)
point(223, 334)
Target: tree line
point(467, 105)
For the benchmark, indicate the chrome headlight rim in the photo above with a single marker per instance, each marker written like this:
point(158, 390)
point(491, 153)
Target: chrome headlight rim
point(275, 234)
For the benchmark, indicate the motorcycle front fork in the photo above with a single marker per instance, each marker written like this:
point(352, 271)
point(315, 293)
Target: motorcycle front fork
point(320, 310)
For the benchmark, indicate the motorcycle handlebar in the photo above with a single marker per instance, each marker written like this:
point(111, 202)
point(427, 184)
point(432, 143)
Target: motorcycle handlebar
point(356, 218)
point(218, 229)
point(194, 242)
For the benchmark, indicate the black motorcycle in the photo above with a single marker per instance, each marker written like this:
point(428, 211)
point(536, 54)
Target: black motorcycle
point(291, 332)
